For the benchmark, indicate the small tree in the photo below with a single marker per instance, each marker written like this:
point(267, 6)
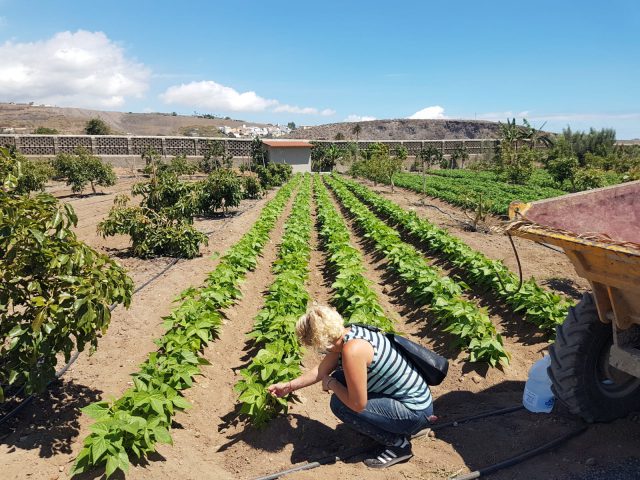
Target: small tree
point(291, 125)
point(339, 136)
point(215, 157)
point(96, 126)
point(428, 157)
point(258, 152)
point(459, 156)
point(562, 169)
point(82, 168)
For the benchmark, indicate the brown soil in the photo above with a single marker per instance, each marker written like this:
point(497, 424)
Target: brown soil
point(211, 443)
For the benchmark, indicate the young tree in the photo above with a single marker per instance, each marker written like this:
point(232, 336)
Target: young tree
point(215, 157)
point(428, 157)
point(459, 156)
point(258, 152)
point(96, 126)
point(82, 168)
point(291, 125)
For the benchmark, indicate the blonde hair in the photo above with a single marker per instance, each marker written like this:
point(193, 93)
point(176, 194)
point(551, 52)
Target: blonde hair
point(320, 327)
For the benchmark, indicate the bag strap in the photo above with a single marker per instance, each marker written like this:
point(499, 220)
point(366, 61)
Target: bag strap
point(368, 327)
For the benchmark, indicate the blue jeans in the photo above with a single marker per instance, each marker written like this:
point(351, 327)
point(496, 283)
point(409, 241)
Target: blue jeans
point(384, 419)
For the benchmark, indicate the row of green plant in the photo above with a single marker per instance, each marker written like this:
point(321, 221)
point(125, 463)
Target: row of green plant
point(55, 291)
point(353, 297)
point(539, 306)
point(280, 354)
point(470, 191)
point(427, 286)
point(130, 427)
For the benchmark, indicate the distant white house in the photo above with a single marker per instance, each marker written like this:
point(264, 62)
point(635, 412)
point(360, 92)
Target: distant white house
point(296, 153)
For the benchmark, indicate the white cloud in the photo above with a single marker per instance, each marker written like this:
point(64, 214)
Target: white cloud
point(359, 118)
point(82, 69)
point(303, 110)
point(214, 96)
point(429, 113)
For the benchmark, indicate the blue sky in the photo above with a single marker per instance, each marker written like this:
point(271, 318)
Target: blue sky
point(566, 63)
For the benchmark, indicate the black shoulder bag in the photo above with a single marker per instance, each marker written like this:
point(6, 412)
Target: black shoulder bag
point(430, 365)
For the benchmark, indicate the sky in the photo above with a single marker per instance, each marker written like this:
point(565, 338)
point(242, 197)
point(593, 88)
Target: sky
point(556, 63)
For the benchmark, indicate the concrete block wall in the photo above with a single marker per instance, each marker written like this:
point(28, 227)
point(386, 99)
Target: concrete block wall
point(127, 146)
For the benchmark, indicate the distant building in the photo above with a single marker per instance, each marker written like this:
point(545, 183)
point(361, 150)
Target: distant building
point(296, 153)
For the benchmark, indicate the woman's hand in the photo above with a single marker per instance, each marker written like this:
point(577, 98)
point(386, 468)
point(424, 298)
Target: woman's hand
point(280, 389)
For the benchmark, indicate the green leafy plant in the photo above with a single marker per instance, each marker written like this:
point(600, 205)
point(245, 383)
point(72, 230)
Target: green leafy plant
point(353, 297)
point(538, 306)
point(82, 168)
point(152, 233)
point(279, 358)
point(215, 157)
point(252, 187)
point(130, 427)
point(55, 291)
point(427, 286)
point(222, 189)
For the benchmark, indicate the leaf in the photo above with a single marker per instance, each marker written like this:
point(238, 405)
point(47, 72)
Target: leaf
point(98, 448)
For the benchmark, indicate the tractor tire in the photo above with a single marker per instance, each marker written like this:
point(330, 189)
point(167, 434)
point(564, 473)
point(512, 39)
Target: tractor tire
point(580, 373)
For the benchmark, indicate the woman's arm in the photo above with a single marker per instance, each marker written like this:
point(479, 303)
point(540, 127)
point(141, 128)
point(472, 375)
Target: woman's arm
point(314, 375)
point(356, 355)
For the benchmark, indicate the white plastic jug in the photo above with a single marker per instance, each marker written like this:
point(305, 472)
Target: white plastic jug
point(537, 395)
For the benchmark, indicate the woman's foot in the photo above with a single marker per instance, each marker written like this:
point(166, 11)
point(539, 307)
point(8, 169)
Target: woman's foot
point(387, 456)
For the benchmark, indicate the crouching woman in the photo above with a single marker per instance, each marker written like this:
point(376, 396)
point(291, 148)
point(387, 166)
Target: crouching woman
point(376, 390)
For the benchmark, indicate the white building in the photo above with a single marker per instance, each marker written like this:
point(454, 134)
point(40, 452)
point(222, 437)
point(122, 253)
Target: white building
point(296, 153)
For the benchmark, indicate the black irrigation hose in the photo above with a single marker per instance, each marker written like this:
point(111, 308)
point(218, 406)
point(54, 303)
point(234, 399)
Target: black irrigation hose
point(360, 450)
point(521, 456)
point(513, 245)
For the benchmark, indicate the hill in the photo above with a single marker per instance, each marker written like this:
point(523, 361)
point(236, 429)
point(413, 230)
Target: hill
point(71, 121)
point(401, 129)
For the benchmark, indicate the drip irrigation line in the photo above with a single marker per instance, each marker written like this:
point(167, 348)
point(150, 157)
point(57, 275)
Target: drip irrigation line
point(521, 456)
point(360, 450)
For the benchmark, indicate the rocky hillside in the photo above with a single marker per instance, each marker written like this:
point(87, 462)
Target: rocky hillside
point(401, 129)
point(71, 121)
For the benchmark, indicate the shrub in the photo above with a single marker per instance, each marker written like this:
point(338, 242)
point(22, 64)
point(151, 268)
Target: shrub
point(45, 131)
point(35, 175)
point(563, 168)
point(165, 192)
point(252, 188)
point(152, 233)
point(55, 291)
point(221, 189)
point(82, 168)
point(588, 178)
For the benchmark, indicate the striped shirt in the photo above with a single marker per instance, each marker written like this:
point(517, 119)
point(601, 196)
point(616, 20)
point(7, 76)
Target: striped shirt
point(390, 373)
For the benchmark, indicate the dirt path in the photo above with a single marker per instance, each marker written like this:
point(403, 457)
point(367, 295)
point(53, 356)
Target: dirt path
point(52, 426)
